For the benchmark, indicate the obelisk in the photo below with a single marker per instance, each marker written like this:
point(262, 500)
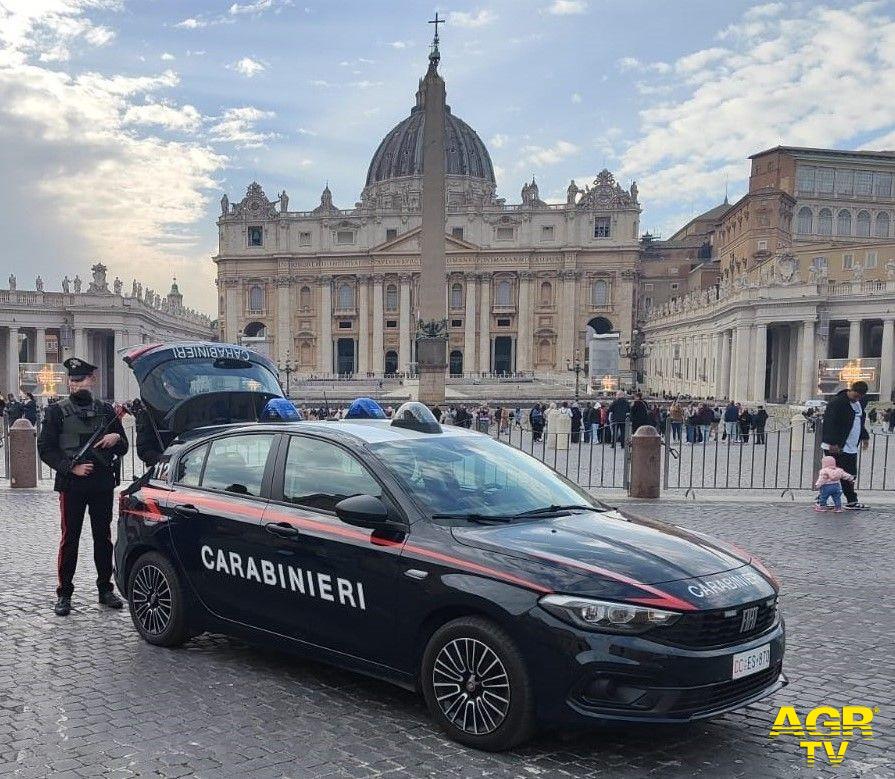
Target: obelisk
point(431, 333)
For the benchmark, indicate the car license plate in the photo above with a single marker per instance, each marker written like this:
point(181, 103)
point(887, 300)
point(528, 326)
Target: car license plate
point(753, 661)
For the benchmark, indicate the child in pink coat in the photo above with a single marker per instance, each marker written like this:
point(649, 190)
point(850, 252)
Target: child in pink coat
point(828, 478)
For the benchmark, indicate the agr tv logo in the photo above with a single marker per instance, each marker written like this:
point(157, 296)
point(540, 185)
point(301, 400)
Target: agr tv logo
point(833, 728)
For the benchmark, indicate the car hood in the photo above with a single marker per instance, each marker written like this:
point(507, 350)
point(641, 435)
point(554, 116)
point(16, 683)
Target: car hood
point(617, 555)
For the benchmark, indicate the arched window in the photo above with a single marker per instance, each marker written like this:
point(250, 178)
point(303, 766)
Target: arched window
point(304, 297)
point(391, 299)
point(346, 296)
point(255, 330)
point(843, 223)
point(391, 361)
point(546, 293)
point(599, 293)
point(256, 299)
point(456, 363)
point(503, 293)
point(882, 224)
point(825, 222)
point(456, 296)
point(862, 224)
point(806, 221)
point(545, 352)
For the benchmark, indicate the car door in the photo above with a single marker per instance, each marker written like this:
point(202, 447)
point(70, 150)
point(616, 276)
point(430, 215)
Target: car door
point(216, 509)
point(339, 585)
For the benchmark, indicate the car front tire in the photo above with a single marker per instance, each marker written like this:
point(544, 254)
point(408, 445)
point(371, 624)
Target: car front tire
point(476, 685)
point(156, 599)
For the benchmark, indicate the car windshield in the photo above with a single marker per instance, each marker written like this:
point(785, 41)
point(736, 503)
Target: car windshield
point(168, 384)
point(477, 477)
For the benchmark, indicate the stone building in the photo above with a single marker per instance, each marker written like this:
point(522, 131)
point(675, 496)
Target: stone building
point(335, 291)
point(97, 323)
point(806, 275)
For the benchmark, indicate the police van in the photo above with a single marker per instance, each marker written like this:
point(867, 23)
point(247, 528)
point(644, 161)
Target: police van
point(449, 563)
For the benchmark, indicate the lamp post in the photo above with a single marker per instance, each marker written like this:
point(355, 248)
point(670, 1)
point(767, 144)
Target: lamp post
point(577, 367)
point(288, 368)
point(634, 350)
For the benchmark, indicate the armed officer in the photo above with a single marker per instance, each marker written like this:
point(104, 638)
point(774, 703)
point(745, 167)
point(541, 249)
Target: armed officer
point(83, 482)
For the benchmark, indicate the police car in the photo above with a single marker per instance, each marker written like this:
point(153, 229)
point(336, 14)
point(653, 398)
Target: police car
point(450, 563)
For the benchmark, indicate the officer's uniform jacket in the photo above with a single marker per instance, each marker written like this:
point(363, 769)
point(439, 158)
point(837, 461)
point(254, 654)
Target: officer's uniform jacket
point(66, 428)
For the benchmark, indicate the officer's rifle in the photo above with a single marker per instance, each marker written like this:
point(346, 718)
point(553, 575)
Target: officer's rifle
point(86, 452)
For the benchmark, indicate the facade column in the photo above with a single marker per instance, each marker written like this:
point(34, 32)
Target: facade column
point(760, 358)
point(40, 345)
point(807, 382)
point(734, 354)
point(469, 323)
point(854, 339)
point(284, 311)
point(404, 325)
point(523, 323)
point(887, 363)
point(12, 361)
point(793, 352)
point(378, 355)
point(232, 301)
point(485, 325)
point(567, 322)
point(325, 350)
point(119, 369)
point(363, 326)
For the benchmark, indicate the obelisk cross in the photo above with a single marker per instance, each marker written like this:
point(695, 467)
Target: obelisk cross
point(436, 21)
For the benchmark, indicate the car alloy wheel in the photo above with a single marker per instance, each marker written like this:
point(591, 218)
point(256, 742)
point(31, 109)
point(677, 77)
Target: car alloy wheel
point(471, 686)
point(151, 599)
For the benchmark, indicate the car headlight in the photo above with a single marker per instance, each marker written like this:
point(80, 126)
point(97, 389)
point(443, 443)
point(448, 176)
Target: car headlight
point(606, 616)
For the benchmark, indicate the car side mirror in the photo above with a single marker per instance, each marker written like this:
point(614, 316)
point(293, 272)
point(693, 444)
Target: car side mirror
point(363, 511)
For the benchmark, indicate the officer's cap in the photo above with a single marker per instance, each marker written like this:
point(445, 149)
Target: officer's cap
point(365, 408)
point(78, 368)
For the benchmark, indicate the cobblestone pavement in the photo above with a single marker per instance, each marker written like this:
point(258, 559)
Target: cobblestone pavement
point(85, 696)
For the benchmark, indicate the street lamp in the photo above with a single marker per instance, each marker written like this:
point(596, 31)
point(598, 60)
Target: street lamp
point(635, 350)
point(288, 368)
point(577, 367)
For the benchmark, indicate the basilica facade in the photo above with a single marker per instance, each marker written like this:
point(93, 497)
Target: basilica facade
point(335, 291)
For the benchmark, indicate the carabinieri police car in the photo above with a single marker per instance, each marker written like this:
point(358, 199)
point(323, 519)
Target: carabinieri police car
point(450, 563)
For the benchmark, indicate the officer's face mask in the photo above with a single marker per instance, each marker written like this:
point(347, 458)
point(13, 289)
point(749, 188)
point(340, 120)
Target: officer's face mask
point(82, 395)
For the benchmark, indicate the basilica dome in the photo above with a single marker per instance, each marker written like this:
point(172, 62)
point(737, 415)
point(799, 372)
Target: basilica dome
point(401, 152)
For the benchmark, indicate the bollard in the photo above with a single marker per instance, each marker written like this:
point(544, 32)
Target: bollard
point(645, 445)
point(22, 454)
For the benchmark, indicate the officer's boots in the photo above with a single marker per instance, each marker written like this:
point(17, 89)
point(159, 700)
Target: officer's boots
point(110, 599)
point(63, 606)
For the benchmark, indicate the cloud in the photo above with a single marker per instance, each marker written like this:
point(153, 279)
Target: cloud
point(185, 118)
point(576, 98)
point(191, 23)
point(238, 126)
point(398, 44)
point(259, 6)
point(542, 156)
point(498, 141)
point(81, 170)
point(566, 7)
point(248, 67)
point(305, 131)
point(167, 56)
point(809, 76)
point(480, 18)
point(634, 64)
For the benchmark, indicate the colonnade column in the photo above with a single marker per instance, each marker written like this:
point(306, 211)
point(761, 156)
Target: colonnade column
point(378, 356)
point(326, 326)
point(363, 326)
point(854, 339)
point(760, 356)
point(40, 345)
point(523, 320)
point(469, 322)
point(807, 388)
point(404, 325)
point(80, 344)
point(734, 354)
point(12, 361)
point(485, 326)
point(887, 364)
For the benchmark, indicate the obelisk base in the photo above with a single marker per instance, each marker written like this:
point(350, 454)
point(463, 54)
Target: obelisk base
point(431, 355)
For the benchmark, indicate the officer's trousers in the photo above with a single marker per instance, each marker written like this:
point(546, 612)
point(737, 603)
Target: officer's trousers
point(71, 510)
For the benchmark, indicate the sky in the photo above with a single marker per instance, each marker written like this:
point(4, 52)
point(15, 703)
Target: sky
point(123, 121)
